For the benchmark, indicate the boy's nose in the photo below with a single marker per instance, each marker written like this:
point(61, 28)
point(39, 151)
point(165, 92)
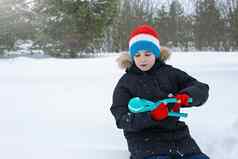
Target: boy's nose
point(143, 58)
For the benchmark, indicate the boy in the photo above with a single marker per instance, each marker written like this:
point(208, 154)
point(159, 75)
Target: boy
point(155, 135)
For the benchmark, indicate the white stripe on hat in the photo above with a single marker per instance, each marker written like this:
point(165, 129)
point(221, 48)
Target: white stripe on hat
point(146, 37)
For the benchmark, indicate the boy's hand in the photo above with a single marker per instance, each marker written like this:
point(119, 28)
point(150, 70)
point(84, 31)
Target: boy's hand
point(160, 113)
point(182, 100)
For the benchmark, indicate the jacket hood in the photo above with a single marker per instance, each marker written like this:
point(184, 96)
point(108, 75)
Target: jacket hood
point(125, 61)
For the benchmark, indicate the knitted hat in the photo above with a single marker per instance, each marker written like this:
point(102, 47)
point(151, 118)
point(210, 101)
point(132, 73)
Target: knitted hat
point(146, 38)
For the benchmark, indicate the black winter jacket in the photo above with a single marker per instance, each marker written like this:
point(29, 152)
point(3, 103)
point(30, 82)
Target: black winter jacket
point(146, 137)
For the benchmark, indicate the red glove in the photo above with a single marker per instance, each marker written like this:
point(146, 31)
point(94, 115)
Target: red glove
point(160, 113)
point(182, 100)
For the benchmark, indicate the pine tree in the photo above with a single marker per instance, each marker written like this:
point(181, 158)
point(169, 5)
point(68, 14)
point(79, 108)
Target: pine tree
point(175, 13)
point(73, 26)
point(185, 34)
point(234, 27)
point(206, 25)
point(161, 22)
point(131, 14)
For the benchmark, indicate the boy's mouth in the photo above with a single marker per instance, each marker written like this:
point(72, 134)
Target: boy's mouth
point(143, 65)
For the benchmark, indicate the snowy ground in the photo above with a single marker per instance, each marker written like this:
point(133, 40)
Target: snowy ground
point(59, 109)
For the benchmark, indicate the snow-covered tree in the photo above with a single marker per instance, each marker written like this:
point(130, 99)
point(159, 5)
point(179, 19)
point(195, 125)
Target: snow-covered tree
point(15, 22)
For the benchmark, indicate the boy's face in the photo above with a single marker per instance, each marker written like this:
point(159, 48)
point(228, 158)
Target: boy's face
point(144, 60)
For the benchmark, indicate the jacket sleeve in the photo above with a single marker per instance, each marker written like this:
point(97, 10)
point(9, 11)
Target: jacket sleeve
point(124, 119)
point(196, 89)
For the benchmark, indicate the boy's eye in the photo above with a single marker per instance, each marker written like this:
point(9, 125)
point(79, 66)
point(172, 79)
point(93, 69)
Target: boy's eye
point(147, 54)
point(137, 55)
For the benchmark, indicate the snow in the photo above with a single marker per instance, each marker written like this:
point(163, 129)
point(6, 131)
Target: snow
point(59, 108)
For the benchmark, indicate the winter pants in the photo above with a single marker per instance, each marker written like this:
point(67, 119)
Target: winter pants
point(196, 156)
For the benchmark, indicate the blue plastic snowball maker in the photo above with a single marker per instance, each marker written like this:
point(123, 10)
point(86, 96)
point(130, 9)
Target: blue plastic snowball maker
point(138, 105)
